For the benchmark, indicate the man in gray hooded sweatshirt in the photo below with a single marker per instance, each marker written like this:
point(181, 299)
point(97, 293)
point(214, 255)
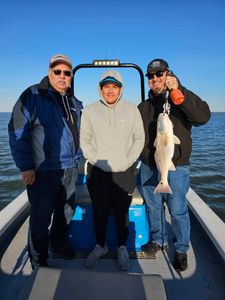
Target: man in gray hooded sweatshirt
point(111, 138)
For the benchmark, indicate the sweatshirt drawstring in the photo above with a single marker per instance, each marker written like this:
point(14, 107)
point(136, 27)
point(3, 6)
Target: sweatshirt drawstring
point(67, 109)
point(108, 111)
point(111, 116)
point(114, 116)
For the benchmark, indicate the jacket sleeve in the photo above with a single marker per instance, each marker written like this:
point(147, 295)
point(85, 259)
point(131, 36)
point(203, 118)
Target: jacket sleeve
point(86, 138)
point(19, 129)
point(79, 106)
point(195, 109)
point(138, 139)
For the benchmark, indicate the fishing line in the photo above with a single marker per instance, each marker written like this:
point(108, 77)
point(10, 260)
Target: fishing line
point(166, 105)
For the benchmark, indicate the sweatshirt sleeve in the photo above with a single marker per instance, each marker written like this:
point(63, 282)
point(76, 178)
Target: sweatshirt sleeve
point(138, 139)
point(19, 129)
point(195, 109)
point(86, 138)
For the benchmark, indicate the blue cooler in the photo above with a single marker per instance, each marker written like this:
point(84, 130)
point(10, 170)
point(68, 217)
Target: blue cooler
point(81, 230)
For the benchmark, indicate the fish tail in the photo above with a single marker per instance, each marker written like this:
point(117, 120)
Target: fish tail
point(163, 188)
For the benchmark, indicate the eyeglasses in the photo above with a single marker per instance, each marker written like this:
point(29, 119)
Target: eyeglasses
point(157, 74)
point(57, 72)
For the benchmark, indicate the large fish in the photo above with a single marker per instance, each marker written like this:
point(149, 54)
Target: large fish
point(164, 144)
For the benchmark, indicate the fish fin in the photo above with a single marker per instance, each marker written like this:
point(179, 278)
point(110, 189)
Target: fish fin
point(163, 188)
point(176, 139)
point(172, 167)
point(167, 139)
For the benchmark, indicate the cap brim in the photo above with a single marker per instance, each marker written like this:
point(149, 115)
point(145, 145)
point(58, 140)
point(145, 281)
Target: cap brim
point(60, 61)
point(112, 81)
point(154, 70)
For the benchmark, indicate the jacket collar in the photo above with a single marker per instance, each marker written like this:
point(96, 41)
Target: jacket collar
point(46, 88)
point(156, 100)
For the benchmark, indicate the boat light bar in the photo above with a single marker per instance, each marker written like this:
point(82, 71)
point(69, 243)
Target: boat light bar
point(101, 62)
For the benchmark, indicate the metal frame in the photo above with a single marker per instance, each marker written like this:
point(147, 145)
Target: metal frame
point(112, 64)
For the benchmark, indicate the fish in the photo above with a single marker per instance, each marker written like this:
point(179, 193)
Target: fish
point(164, 143)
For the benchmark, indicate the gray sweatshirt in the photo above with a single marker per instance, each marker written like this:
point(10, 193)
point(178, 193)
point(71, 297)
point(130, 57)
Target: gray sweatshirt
point(111, 136)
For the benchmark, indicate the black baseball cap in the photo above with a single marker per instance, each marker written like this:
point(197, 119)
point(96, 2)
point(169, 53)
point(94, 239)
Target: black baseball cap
point(157, 65)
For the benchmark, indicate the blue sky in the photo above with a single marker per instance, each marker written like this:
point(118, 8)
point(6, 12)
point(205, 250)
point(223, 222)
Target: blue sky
point(190, 35)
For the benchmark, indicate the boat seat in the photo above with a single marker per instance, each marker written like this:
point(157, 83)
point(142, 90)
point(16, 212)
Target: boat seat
point(83, 197)
point(57, 284)
point(81, 230)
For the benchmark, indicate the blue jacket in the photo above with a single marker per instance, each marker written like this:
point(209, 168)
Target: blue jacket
point(39, 135)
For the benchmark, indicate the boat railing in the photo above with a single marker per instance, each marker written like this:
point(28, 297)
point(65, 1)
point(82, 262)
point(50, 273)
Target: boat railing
point(11, 217)
point(210, 222)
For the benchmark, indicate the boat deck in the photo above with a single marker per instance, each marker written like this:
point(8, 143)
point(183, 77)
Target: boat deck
point(204, 279)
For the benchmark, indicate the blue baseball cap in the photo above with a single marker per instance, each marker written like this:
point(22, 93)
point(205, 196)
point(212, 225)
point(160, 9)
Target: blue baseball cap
point(110, 79)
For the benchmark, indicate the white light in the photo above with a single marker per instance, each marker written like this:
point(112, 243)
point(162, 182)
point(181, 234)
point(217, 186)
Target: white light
point(106, 62)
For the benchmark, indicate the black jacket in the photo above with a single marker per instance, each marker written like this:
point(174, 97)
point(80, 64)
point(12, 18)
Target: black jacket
point(193, 111)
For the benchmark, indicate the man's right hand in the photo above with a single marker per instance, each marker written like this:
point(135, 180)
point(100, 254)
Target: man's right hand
point(28, 177)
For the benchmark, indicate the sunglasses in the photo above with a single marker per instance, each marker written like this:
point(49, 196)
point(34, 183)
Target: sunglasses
point(157, 74)
point(57, 72)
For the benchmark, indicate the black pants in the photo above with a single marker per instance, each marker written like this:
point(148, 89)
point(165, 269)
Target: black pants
point(110, 192)
point(52, 194)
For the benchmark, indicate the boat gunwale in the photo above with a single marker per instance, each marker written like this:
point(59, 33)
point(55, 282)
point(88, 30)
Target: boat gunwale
point(18, 210)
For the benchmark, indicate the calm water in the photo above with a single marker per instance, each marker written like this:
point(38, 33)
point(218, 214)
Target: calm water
point(207, 164)
point(10, 184)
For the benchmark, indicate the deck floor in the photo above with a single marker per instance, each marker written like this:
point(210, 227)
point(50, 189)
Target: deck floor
point(204, 279)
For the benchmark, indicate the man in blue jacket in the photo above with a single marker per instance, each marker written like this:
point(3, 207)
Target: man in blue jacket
point(44, 141)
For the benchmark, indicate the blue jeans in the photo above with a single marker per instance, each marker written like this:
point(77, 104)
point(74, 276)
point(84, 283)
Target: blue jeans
point(52, 202)
point(179, 182)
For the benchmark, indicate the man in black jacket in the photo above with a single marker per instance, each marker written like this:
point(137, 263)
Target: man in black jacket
point(184, 111)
